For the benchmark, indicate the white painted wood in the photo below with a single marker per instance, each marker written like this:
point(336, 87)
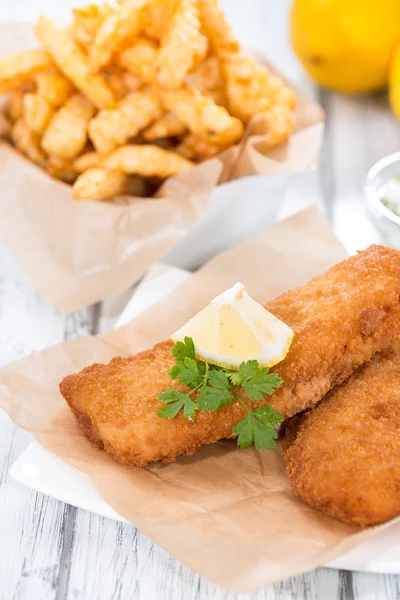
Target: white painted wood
point(360, 131)
point(51, 551)
point(137, 568)
point(33, 527)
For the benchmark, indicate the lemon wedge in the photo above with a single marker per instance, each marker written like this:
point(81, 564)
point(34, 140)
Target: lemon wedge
point(234, 328)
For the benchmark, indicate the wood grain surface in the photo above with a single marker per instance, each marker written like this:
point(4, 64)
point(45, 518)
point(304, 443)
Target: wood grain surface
point(52, 551)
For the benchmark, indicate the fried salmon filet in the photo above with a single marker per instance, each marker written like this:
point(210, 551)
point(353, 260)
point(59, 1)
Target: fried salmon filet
point(340, 319)
point(343, 457)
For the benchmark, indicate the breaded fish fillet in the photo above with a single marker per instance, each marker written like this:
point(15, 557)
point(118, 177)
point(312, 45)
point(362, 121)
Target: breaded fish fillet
point(343, 457)
point(340, 320)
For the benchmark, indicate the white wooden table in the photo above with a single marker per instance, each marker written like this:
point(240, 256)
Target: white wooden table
point(52, 551)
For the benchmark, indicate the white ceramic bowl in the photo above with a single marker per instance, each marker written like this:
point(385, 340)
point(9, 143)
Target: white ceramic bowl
point(387, 223)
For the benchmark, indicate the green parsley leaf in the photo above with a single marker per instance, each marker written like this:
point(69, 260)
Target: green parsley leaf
point(268, 415)
point(182, 350)
point(203, 368)
point(216, 394)
point(175, 371)
point(171, 396)
point(248, 370)
point(217, 388)
point(262, 383)
point(187, 373)
point(219, 380)
point(169, 411)
point(234, 378)
point(252, 429)
point(174, 401)
point(263, 436)
point(244, 431)
point(189, 409)
point(212, 398)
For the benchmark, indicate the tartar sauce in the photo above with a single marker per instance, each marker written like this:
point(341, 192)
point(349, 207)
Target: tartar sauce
point(389, 194)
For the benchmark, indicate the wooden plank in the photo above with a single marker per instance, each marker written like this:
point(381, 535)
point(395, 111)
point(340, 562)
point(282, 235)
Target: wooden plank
point(376, 586)
point(114, 560)
point(30, 525)
point(360, 130)
point(35, 529)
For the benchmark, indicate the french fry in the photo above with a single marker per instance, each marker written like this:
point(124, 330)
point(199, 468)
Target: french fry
point(132, 82)
point(61, 170)
point(181, 46)
point(166, 126)
point(124, 74)
point(157, 17)
point(278, 123)
point(196, 148)
point(140, 59)
point(88, 160)
point(66, 134)
point(29, 86)
point(215, 27)
point(18, 69)
point(112, 128)
point(28, 142)
point(117, 84)
point(87, 20)
point(147, 161)
point(251, 88)
point(218, 96)
point(207, 76)
point(14, 105)
point(5, 126)
point(203, 117)
point(117, 28)
point(72, 61)
point(208, 79)
point(98, 184)
point(54, 88)
point(37, 112)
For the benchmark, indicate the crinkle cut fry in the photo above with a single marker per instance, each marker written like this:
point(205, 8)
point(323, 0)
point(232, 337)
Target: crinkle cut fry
point(72, 61)
point(202, 116)
point(116, 28)
point(37, 112)
point(343, 456)
point(27, 142)
point(99, 184)
point(340, 319)
point(157, 15)
point(112, 128)
point(54, 88)
point(66, 135)
point(181, 46)
point(216, 27)
point(87, 20)
point(167, 125)
point(16, 70)
point(146, 160)
point(140, 59)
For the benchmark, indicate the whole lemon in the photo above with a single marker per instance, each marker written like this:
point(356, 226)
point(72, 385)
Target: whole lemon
point(346, 44)
point(394, 83)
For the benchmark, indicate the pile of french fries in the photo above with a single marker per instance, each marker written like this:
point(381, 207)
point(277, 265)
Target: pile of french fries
point(136, 92)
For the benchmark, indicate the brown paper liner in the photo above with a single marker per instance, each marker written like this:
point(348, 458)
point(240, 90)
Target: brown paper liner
point(77, 253)
point(229, 515)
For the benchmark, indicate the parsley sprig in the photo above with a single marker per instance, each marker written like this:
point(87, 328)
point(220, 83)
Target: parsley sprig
point(212, 387)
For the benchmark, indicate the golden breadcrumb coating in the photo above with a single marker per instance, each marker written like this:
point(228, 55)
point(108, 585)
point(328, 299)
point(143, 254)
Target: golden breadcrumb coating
point(343, 457)
point(340, 320)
